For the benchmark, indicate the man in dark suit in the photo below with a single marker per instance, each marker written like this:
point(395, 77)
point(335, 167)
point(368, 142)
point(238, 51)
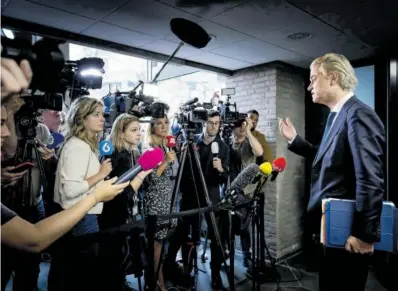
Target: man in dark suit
point(348, 164)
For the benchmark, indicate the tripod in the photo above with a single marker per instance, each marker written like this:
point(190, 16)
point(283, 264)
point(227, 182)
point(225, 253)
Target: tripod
point(191, 149)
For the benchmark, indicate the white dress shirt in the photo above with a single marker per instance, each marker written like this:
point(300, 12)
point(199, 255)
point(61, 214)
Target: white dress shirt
point(337, 108)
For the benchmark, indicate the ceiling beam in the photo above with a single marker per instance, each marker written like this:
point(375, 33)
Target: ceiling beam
point(46, 31)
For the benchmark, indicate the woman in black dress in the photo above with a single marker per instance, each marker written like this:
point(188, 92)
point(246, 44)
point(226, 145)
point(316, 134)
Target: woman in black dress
point(125, 137)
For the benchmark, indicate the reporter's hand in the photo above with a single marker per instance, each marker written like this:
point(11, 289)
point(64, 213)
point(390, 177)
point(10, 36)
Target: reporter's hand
point(14, 78)
point(287, 129)
point(249, 124)
point(106, 191)
point(217, 165)
point(106, 168)
point(6, 176)
point(170, 156)
point(46, 153)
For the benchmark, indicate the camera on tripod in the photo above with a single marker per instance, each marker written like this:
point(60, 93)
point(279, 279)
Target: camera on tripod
point(230, 117)
point(139, 103)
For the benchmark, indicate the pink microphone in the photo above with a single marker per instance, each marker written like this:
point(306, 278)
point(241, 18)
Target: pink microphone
point(150, 159)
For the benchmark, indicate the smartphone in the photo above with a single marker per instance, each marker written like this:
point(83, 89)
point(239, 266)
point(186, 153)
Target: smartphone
point(22, 167)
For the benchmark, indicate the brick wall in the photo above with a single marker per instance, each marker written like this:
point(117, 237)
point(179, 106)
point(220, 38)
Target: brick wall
point(276, 90)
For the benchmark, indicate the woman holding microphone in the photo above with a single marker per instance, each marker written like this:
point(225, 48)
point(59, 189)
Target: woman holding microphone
point(79, 173)
point(125, 137)
point(159, 188)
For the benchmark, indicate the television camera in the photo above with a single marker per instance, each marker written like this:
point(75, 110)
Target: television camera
point(52, 75)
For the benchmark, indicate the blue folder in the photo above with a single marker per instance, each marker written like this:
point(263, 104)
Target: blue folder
point(337, 220)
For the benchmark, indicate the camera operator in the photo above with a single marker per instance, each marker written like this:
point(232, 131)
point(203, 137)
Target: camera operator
point(267, 152)
point(245, 150)
point(16, 232)
point(216, 172)
point(30, 205)
point(125, 137)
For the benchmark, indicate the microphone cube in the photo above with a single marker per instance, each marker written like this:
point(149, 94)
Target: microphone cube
point(337, 220)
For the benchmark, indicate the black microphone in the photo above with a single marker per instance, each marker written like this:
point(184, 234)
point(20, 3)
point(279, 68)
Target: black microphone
point(190, 102)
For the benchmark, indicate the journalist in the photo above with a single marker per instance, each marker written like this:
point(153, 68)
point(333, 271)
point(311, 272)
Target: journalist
point(216, 172)
point(245, 150)
point(79, 173)
point(159, 188)
point(125, 137)
point(267, 152)
point(348, 164)
point(17, 232)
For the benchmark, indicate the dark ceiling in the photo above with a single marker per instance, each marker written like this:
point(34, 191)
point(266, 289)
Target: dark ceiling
point(244, 33)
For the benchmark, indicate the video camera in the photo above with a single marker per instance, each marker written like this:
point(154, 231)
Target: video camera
point(51, 73)
point(139, 103)
point(192, 112)
point(230, 118)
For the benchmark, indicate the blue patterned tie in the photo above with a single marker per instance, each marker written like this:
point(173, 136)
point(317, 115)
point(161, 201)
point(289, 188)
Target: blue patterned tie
point(328, 126)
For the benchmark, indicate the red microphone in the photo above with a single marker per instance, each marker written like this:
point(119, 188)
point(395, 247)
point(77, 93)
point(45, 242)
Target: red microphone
point(278, 166)
point(171, 142)
point(150, 159)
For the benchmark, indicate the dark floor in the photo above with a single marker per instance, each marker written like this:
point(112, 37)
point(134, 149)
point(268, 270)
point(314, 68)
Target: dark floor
point(292, 276)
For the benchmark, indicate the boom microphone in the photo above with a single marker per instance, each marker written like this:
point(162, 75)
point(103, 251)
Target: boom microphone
point(150, 159)
point(278, 166)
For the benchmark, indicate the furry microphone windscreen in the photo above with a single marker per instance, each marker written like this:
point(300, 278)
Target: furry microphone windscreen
point(151, 158)
point(245, 177)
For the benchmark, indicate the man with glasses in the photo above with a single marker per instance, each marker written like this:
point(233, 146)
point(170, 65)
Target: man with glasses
point(215, 171)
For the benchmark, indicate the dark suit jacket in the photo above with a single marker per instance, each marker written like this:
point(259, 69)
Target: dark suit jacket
point(350, 165)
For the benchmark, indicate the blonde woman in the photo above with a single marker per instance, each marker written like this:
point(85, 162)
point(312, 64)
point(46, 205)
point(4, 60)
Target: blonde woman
point(159, 186)
point(125, 136)
point(79, 173)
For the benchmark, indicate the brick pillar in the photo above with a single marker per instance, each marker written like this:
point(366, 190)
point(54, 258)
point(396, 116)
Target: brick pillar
point(276, 90)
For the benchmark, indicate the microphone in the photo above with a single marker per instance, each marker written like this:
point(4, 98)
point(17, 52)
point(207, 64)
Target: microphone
point(171, 142)
point(239, 183)
point(190, 102)
point(150, 159)
point(278, 166)
point(55, 140)
point(106, 148)
point(265, 170)
point(214, 150)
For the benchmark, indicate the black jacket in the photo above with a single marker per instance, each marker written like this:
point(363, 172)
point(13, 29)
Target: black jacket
point(115, 212)
point(212, 177)
point(350, 165)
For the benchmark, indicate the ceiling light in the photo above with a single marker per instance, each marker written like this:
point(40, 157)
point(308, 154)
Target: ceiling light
point(299, 35)
point(8, 33)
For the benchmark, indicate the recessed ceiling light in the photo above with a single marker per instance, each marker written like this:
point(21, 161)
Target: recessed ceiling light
point(299, 35)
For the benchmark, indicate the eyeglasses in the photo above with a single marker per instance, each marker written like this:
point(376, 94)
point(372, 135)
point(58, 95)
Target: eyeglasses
point(210, 123)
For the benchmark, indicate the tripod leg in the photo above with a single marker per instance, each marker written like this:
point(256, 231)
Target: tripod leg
point(173, 201)
point(212, 216)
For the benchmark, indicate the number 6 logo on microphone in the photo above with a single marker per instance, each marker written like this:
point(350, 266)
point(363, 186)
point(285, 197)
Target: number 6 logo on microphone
point(106, 148)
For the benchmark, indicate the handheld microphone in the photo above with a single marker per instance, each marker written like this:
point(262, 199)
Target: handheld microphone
point(190, 102)
point(240, 182)
point(150, 159)
point(265, 170)
point(214, 150)
point(106, 148)
point(171, 142)
point(278, 166)
point(55, 140)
